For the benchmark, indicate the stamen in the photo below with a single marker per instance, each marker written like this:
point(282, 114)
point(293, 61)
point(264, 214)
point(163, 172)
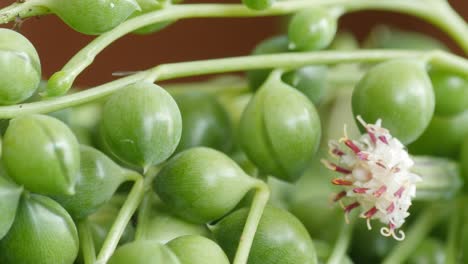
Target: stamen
point(390, 208)
point(335, 167)
point(337, 152)
point(342, 182)
point(363, 155)
point(380, 164)
point(371, 212)
point(399, 192)
point(350, 144)
point(350, 207)
point(339, 196)
point(360, 190)
point(380, 191)
point(383, 139)
point(372, 136)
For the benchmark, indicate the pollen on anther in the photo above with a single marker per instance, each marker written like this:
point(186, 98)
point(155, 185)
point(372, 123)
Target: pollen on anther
point(341, 182)
point(335, 167)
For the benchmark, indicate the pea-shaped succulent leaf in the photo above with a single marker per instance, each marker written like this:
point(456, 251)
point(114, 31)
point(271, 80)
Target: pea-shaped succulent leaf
point(142, 124)
point(400, 93)
point(20, 68)
point(312, 29)
point(258, 4)
point(144, 252)
point(94, 17)
point(146, 7)
point(98, 179)
point(163, 226)
point(202, 184)
point(280, 238)
point(204, 122)
point(451, 92)
point(442, 137)
point(10, 195)
point(384, 37)
point(280, 130)
point(193, 249)
point(42, 154)
point(310, 80)
point(101, 222)
point(271, 45)
point(429, 251)
point(43, 232)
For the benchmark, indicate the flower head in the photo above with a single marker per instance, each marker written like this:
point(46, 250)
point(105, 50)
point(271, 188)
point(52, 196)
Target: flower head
point(376, 177)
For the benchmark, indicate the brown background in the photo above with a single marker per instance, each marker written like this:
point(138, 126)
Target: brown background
point(189, 40)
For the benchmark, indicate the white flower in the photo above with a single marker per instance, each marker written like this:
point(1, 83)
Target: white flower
point(376, 177)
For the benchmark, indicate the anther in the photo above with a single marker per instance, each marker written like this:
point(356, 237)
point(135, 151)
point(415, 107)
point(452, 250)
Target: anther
point(335, 167)
point(350, 144)
point(383, 139)
point(360, 190)
point(342, 182)
point(390, 208)
point(339, 196)
point(380, 191)
point(399, 192)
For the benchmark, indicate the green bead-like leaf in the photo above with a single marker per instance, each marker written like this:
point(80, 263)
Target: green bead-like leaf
point(280, 238)
point(141, 124)
point(43, 232)
point(193, 249)
point(163, 226)
point(443, 137)
point(94, 17)
point(258, 4)
point(10, 195)
point(310, 80)
point(204, 122)
point(20, 68)
point(42, 154)
point(144, 252)
point(280, 130)
point(202, 184)
point(400, 93)
point(98, 180)
point(312, 29)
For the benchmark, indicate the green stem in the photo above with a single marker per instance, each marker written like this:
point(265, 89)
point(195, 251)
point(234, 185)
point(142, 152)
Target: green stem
point(255, 214)
point(61, 81)
point(143, 213)
point(418, 231)
point(87, 242)
point(185, 69)
point(125, 213)
point(145, 207)
point(27, 9)
point(455, 234)
point(342, 244)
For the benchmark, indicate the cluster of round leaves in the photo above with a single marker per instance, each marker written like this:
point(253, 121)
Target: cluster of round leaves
point(141, 127)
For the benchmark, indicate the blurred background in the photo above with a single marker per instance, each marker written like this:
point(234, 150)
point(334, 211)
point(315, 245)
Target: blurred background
point(191, 39)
